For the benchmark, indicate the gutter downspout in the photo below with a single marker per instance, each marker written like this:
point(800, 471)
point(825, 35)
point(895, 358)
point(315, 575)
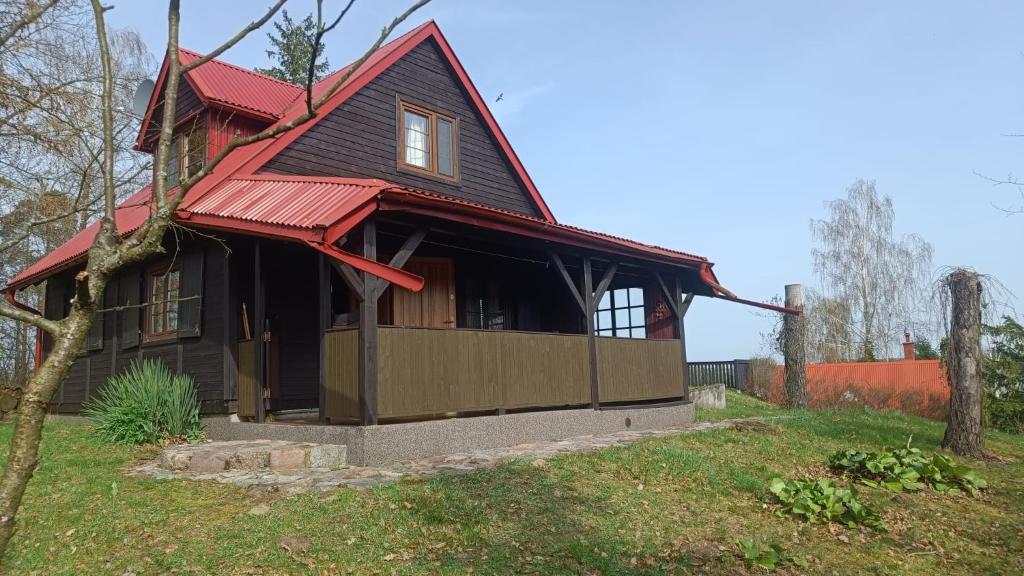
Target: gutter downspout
point(708, 277)
point(9, 295)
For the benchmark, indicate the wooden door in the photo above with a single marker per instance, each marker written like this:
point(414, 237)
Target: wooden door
point(432, 307)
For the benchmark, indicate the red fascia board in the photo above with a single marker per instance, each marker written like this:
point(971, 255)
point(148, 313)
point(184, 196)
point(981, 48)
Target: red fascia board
point(186, 218)
point(347, 223)
point(502, 222)
point(310, 236)
point(396, 276)
point(140, 143)
point(485, 112)
point(357, 81)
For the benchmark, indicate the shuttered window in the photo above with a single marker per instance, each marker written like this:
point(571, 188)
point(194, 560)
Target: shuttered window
point(130, 295)
point(162, 302)
point(428, 141)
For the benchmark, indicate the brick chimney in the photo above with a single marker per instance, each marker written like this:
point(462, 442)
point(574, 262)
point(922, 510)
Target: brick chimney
point(908, 347)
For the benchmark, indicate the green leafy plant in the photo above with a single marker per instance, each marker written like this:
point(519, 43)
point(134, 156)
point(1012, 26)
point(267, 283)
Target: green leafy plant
point(146, 404)
point(1006, 414)
point(767, 556)
point(907, 469)
point(821, 500)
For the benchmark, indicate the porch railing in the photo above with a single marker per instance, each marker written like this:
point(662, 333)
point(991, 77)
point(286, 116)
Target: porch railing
point(425, 371)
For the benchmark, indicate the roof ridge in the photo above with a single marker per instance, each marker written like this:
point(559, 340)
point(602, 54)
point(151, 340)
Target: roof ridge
point(249, 71)
point(395, 40)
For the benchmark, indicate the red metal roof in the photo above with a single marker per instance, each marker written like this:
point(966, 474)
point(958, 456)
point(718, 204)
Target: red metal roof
point(238, 88)
point(286, 201)
point(129, 217)
point(235, 197)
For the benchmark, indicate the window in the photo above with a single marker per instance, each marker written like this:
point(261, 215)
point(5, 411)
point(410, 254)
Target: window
point(162, 285)
point(427, 141)
point(187, 154)
point(484, 306)
point(621, 313)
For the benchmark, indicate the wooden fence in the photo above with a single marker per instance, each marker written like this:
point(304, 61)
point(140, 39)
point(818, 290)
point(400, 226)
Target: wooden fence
point(732, 373)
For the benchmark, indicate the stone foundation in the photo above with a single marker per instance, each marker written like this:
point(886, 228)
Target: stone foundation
point(278, 455)
point(391, 443)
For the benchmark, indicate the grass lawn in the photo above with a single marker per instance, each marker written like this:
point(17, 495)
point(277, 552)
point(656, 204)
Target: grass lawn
point(668, 505)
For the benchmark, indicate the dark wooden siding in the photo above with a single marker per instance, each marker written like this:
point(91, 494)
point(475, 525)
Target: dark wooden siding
point(359, 138)
point(188, 102)
point(201, 357)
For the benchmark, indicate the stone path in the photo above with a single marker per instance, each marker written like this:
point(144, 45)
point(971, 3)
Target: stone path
point(322, 479)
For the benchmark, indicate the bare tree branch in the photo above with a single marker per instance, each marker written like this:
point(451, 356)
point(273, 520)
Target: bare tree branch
point(252, 26)
point(317, 45)
point(32, 15)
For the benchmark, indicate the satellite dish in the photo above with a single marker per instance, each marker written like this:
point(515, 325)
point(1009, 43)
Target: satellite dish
point(140, 101)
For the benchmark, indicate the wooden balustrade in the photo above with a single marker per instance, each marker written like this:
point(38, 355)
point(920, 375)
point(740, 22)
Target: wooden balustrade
point(426, 372)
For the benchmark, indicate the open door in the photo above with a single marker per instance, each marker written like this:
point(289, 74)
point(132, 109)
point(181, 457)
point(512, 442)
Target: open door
point(432, 307)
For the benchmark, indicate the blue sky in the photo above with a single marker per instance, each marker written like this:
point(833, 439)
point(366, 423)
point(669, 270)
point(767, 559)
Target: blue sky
point(721, 128)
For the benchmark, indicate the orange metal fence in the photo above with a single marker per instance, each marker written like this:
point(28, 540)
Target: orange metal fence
point(910, 386)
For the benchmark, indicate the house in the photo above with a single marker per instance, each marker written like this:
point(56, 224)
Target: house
point(389, 261)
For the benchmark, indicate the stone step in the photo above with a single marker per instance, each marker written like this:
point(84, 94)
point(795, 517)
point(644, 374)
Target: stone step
point(279, 455)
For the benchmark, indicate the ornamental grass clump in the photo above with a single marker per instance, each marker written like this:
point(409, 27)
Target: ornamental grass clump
point(823, 501)
point(907, 469)
point(146, 404)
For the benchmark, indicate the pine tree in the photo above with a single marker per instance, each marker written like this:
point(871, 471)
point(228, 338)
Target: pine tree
point(293, 42)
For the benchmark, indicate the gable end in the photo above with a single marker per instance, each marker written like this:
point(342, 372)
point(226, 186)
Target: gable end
point(359, 138)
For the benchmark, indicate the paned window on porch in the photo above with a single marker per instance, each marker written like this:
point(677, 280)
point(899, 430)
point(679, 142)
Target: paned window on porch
point(484, 306)
point(621, 313)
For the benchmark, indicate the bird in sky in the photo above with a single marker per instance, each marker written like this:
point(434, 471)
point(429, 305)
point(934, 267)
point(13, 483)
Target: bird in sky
point(500, 97)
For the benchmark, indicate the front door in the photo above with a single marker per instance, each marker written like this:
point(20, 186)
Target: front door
point(432, 307)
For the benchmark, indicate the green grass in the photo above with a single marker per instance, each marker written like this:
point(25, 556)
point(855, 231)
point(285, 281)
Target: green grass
point(664, 506)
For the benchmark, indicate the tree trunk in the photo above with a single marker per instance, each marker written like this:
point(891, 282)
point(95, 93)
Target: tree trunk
point(793, 349)
point(963, 433)
point(28, 424)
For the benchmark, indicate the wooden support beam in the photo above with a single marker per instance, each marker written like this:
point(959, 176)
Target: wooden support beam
point(568, 281)
point(350, 276)
point(686, 304)
point(368, 348)
point(401, 257)
point(682, 305)
point(670, 298)
point(259, 321)
point(588, 291)
point(326, 319)
point(602, 286)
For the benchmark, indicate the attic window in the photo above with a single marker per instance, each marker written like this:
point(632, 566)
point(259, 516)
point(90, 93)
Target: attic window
point(187, 154)
point(427, 141)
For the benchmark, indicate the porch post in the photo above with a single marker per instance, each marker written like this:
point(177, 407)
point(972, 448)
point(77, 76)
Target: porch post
point(259, 319)
point(588, 295)
point(368, 332)
point(682, 304)
point(324, 274)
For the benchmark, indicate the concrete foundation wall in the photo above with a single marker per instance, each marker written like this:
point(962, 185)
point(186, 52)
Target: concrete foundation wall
point(390, 443)
point(712, 396)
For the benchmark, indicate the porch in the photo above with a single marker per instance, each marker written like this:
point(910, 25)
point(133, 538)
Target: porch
point(435, 372)
point(441, 318)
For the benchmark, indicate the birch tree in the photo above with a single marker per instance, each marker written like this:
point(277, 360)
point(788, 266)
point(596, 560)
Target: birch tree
point(110, 252)
point(880, 281)
point(50, 182)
